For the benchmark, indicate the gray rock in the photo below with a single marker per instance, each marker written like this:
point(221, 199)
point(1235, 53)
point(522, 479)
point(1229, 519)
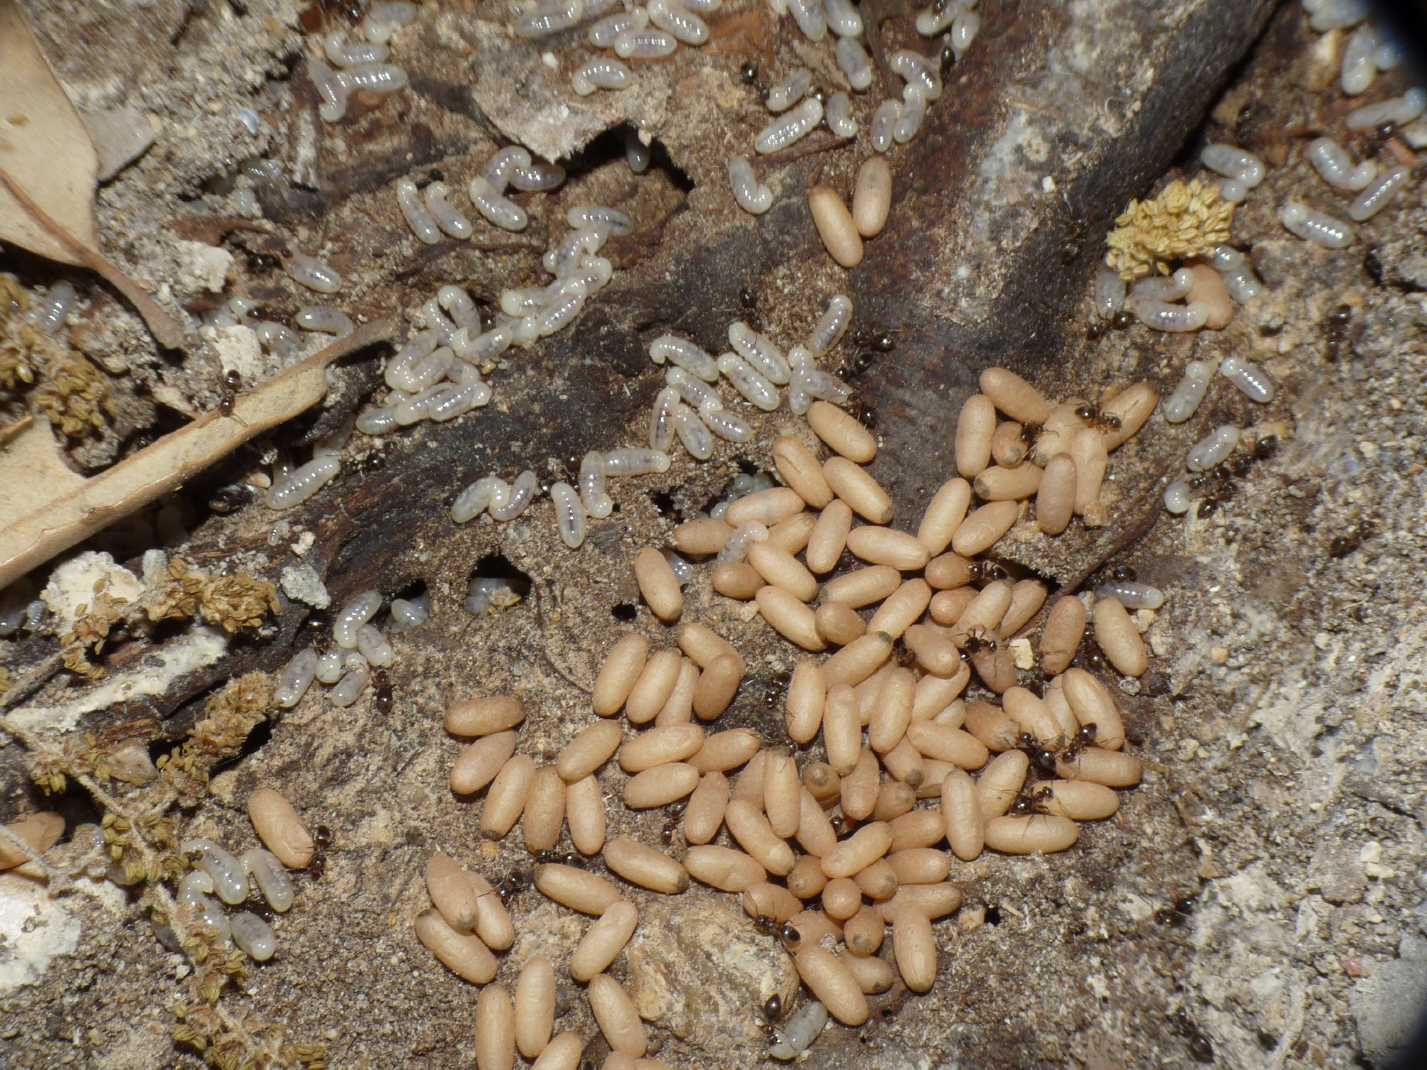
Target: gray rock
point(1386, 1005)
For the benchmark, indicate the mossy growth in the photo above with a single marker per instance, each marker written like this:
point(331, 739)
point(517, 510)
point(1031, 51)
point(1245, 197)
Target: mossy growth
point(1184, 220)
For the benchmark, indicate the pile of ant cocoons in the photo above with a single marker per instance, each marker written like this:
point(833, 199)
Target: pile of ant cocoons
point(890, 772)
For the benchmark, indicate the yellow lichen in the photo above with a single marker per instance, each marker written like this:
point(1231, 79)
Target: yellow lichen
point(1186, 219)
point(228, 718)
point(232, 603)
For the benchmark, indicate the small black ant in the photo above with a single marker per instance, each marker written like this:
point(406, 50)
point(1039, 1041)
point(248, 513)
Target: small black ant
point(1123, 574)
point(1096, 329)
point(773, 1008)
point(1083, 738)
point(747, 298)
point(1372, 264)
point(986, 572)
point(1041, 757)
point(1335, 329)
point(516, 881)
point(1098, 418)
point(1030, 432)
point(382, 683)
point(883, 341)
point(948, 61)
point(230, 499)
point(320, 842)
point(1122, 319)
point(228, 395)
point(749, 72)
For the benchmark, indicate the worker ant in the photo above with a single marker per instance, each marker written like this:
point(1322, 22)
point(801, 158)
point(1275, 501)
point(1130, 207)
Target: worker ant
point(1098, 418)
point(883, 341)
point(321, 842)
point(749, 72)
point(382, 683)
point(515, 882)
point(671, 824)
point(977, 640)
point(986, 572)
point(228, 396)
point(1041, 757)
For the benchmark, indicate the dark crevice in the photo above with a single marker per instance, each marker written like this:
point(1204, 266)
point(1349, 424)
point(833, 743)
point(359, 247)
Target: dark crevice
point(625, 612)
point(498, 566)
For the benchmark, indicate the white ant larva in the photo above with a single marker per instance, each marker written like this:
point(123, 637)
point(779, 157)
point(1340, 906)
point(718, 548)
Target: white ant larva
point(831, 325)
point(918, 70)
point(383, 20)
point(789, 128)
point(313, 273)
point(374, 77)
point(49, 315)
point(661, 421)
point(810, 18)
point(343, 53)
point(549, 19)
point(1239, 278)
point(838, 115)
point(963, 33)
point(1213, 448)
point(1336, 167)
point(1317, 227)
point(332, 92)
point(476, 499)
point(230, 879)
point(684, 353)
point(522, 493)
point(1162, 316)
point(760, 351)
point(594, 485)
point(329, 667)
point(569, 514)
point(1233, 162)
point(270, 877)
point(605, 72)
point(502, 164)
point(1396, 110)
point(1177, 498)
point(748, 381)
point(843, 18)
point(613, 220)
point(496, 208)
point(645, 44)
point(852, 61)
point(1358, 68)
point(373, 646)
point(302, 483)
point(253, 936)
point(752, 196)
point(914, 111)
point(685, 25)
point(1249, 378)
point(1181, 404)
point(537, 176)
point(1376, 196)
point(692, 389)
point(692, 432)
point(635, 461)
point(294, 678)
point(324, 318)
point(603, 33)
point(1108, 294)
point(448, 218)
point(789, 91)
point(358, 611)
point(354, 681)
point(1132, 595)
point(884, 124)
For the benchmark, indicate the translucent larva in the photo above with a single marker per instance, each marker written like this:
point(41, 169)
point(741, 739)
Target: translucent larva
point(324, 318)
point(594, 494)
point(408, 613)
point(790, 127)
point(692, 432)
point(1183, 403)
point(756, 389)
point(1336, 167)
point(963, 32)
point(1177, 497)
point(475, 499)
point(332, 92)
point(253, 936)
point(329, 667)
point(1249, 378)
point(884, 124)
point(853, 62)
point(383, 20)
point(1233, 162)
point(50, 313)
point(374, 77)
point(496, 208)
point(537, 176)
point(549, 19)
point(581, 241)
point(783, 95)
point(1213, 448)
point(797, 1034)
point(343, 53)
point(843, 18)
point(1108, 295)
point(1317, 227)
point(725, 424)
point(522, 493)
point(1376, 196)
point(1163, 316)
point(1358, 68)
point(355, 677)
point(194, 903)
point(635, 461)
point(611, 219)
point(1396, 110)
point(562, 312)
point(685, 354)
point(670, 15)
point(418, 218)
point(1158, 288)
point(831, 325)
point(447, 217)
point(759, 351)
point(752, 196)
point(270, 877)
point(500, 166)
point(229, 878)
point(935, 19)
point(569, 514)
point(1131, 594)
point(810, 18)
point(636, 153)
point(645, 44)
point(810, 383)
point(604, 32)
point(302, 483)
point(914, 111)
point(605, 72)
point(355, 613)
point(736, 548)
point(918, 70)
point(313, 273)
point(477, 346)
point(1239, 278)
point(294, 678)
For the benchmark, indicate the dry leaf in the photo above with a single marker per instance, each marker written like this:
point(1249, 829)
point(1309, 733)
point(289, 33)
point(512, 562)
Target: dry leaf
point(48, 170)
point(44, 147)
point(61, 508)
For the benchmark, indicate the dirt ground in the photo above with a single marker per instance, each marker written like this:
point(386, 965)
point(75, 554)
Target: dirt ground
point(1260, 900)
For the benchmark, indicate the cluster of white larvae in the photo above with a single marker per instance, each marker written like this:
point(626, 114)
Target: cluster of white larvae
point(1368, 50)
point(360, 647)
point(430, 213)
point(286, 845)
point(886, 739)
point(360, 65)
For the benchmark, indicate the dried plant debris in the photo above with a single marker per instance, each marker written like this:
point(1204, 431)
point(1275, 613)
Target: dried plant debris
point(1182, 221)
point(228, 719)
